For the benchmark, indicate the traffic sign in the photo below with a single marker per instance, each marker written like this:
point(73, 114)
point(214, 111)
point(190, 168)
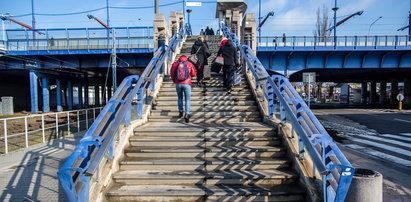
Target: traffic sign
point(400, 97)
point(193, 4)
point(309, 77)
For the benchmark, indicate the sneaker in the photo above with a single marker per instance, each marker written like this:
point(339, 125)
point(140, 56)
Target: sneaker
point(180, 114)
point(187, 118)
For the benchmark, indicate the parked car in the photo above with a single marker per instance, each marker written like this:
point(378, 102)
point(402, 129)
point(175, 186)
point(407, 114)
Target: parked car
point(312, 100)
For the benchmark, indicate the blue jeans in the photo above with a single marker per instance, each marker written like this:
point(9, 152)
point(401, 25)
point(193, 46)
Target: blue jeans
point(186, 90)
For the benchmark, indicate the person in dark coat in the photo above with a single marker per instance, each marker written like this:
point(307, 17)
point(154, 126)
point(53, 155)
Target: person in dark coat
point(212, 31)
point(203, 53)
point(229, 53)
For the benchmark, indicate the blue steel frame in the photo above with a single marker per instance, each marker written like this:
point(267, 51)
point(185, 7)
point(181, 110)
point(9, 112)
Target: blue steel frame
point(312, 43)
point(98, 142)
point(78, 41)
point(314, 140)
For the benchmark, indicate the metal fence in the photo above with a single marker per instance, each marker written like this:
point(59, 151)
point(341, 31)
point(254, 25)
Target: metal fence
point(344, 41)
point(78, 38)
point(308, 135)
point(24, 131)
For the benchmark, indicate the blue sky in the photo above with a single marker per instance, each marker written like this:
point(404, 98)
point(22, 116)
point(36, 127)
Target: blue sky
point(292, 17)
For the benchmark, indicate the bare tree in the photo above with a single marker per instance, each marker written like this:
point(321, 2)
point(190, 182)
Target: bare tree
point(323, 24)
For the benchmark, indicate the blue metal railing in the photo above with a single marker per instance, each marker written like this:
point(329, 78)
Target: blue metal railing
point(313, 139)
point(78, 38)
point(98, 143)
point(328, 41)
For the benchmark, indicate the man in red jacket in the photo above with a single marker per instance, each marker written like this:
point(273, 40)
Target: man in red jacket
point(183, 86)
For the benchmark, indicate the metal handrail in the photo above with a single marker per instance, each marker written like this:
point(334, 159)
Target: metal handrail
point(328, 41)
point(313, 139)
point(98, 142)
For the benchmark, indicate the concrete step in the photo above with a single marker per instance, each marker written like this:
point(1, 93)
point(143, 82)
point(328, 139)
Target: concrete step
point(210, 89)
point(174, 114)
point(141, 141)
point(217, 120)
point(205, 152)
point(208, 102)
point(205, 193)
point(206, 93)
point(227, 97)
point(195, 108)
point(207, 84)
point(260, 177)
point(201, 164)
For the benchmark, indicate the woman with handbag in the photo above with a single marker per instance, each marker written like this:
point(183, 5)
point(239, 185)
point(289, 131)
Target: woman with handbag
point(229, 53)
point(199, 55)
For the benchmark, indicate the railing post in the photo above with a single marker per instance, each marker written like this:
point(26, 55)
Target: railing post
point(6, 146)
point(376, 41)
point(140, 99)
point(270, 100)
point(57, 125)
point(26, 133)
point(300, 148)
point(78, 121)
point(68, 122)
point(94, 114)
point(86, 119)
point(42, 128)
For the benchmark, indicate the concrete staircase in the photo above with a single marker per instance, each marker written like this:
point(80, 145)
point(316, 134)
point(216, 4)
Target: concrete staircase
point(225, 153)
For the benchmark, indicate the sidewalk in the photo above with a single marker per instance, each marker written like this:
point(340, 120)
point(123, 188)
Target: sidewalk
point(31, 174)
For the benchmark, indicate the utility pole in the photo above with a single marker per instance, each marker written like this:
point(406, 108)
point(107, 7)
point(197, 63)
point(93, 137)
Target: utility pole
point(184, 9)
point(335, 23)
point(108, 14)
point(155, 6)
point(33, 18)
point(259, 20)
point(114, 61)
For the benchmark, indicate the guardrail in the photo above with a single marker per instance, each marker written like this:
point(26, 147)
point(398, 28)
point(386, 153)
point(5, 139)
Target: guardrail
point(342, 41)
point(78, 38)
point(313, 139)
point(23, 131)
point(97, 146)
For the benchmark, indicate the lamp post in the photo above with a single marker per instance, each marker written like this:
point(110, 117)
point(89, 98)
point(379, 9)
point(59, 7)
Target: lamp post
point(335, 23)
point(3, 18)
point(369, 29)
point(189, 24)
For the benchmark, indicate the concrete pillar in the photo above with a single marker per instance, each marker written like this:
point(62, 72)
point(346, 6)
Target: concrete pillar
point(181, 20)
point(80, 96)
point(237, 22)
point(249, 31)
point(46, 94)
point(383, 93)
point(366, 186)
point(70, 95)
point(97, 94)
point(174, 23)
point(86, 95)
point(34, 99)
point(407, 91)
point(394, 92)
point(373, 93)
point(58, 96)
point(160, 31)
point(364, 93)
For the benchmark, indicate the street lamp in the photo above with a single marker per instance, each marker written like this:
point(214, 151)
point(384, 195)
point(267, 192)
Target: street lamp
point(369, 29)
point(335, 23)
point(3, 18)
point(189, 24)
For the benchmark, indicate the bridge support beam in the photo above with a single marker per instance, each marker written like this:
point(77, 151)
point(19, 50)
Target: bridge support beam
point(34, 99)
point(373, 93)
point(394, 92)
point(109, 92)
point(86, 95)
point(364, 93)
point(97, 94)
point(58, 96)
point(407, 91)
point(383, 93)
point(46, 94)
point(70, 95)
point(80, 96)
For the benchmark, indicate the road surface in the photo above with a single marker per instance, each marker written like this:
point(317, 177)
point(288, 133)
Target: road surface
point(376, 139)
